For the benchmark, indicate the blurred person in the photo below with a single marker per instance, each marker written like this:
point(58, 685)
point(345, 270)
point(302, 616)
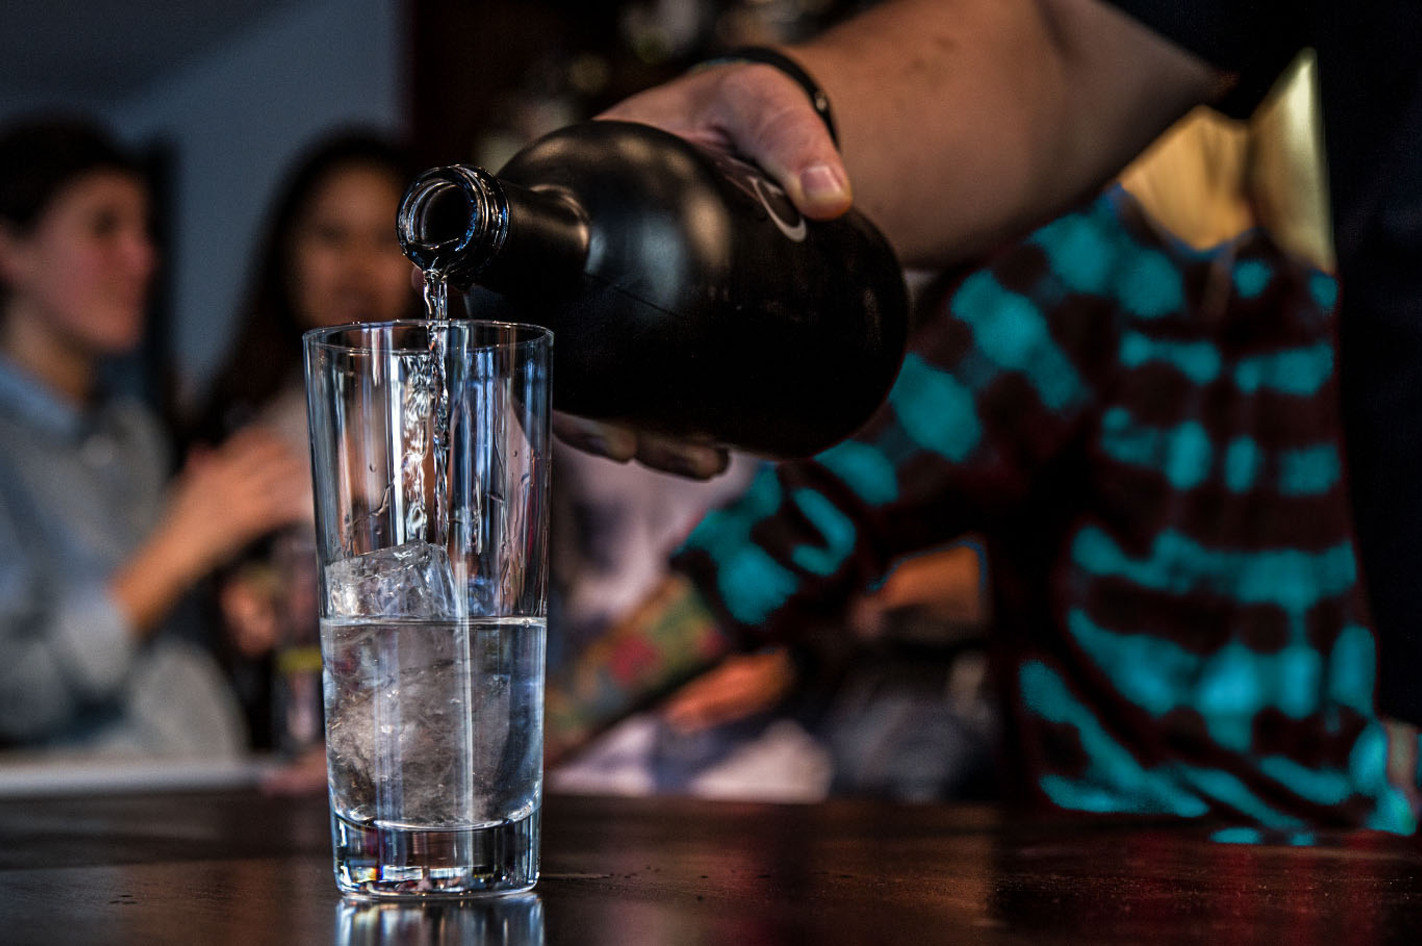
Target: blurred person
point(613, 528)
point(1177, 627)
point(98, 648)
point(941, 589)
point(1146, 435)
point(868, 717)
point(897, 720)
point(894, 695)
point(966, 124)
point(327, 256)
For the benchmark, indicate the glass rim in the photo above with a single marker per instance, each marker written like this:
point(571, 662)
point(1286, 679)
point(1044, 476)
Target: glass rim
point(524, 333)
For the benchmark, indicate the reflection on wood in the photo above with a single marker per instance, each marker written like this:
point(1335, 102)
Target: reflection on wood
point(234, 867)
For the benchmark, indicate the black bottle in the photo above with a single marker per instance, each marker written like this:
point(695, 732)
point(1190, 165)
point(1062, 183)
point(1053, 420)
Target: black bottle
point(686, 294)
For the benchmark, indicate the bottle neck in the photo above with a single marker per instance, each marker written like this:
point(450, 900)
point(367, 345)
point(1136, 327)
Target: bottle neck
point(471, 227)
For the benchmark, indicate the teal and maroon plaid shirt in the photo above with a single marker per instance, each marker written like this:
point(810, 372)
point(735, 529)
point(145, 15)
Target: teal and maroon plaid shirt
point(1147, 437)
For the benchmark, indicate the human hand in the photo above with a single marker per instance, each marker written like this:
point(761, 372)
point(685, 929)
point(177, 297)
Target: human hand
point(226, 497)
point(758, 112)
point(742, 685)
point(945, 584)
point(616, 442)
point(222, 500)
point(251, 617)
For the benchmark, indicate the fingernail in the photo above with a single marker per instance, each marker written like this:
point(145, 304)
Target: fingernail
point(611, 447)
point(822, 183)
point(687, 467)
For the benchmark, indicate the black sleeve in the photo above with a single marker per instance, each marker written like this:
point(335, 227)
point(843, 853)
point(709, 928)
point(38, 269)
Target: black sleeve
point(1380, 365)
point(1255, 39)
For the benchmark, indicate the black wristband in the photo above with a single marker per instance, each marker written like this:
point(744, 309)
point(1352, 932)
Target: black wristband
point(770, 57)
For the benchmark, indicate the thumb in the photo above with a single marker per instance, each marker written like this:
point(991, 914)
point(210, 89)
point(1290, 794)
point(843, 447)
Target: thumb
point(770, 121)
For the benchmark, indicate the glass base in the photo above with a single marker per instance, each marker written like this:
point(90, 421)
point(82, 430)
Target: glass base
point(375, 862)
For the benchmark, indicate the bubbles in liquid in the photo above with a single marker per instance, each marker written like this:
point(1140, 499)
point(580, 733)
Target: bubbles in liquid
point(436, 296)
point(439, 351)
point(425, 417)
point(415, 413)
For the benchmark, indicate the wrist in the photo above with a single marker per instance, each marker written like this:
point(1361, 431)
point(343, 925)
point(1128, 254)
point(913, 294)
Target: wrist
point(154, 578)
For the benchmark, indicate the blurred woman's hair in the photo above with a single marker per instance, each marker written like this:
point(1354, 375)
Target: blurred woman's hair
point(266, 348)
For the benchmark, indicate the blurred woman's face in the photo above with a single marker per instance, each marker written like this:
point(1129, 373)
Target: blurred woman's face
point(84, 271)
point(346, 264)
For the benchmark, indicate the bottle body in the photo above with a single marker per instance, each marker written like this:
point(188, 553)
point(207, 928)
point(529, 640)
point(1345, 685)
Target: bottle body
point(686, 294)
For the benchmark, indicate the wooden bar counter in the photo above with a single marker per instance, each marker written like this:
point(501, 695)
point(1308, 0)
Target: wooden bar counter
point(229, 866)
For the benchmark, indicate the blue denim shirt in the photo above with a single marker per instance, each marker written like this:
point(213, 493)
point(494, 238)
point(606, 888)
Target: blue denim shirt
point(80, 489)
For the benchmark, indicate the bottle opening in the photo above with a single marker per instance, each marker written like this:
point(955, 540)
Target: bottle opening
point(445, 213)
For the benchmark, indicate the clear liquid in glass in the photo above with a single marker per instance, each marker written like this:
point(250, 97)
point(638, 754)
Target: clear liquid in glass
point(434, 753)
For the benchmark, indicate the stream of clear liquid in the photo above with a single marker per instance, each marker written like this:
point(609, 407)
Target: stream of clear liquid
point(437, 311)
point(426, 423)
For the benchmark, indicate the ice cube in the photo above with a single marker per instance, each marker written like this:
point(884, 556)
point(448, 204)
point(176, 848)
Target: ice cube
point(398, 724)
point(413, 580)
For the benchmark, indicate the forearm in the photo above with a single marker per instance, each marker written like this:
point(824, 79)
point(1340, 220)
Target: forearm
point(668, 639)
point(150, 583)
point(963, 122)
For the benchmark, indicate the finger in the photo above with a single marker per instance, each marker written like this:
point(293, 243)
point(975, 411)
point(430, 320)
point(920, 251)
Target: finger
point(743, 685)
point(256, 497)
point(693, 461)
point(770, 121)
point(619, 443)
point(264, 460)
point(684, 715)
point(704, 704)
point(762, 114)
point(732, 701)
point(275, 482)
point(258, 445)
point(601, 439)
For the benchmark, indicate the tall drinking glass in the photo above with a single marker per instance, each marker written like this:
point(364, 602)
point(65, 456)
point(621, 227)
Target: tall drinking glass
point(430, 454)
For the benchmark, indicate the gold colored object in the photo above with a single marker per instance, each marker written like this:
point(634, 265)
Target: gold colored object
point(1210, 178)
